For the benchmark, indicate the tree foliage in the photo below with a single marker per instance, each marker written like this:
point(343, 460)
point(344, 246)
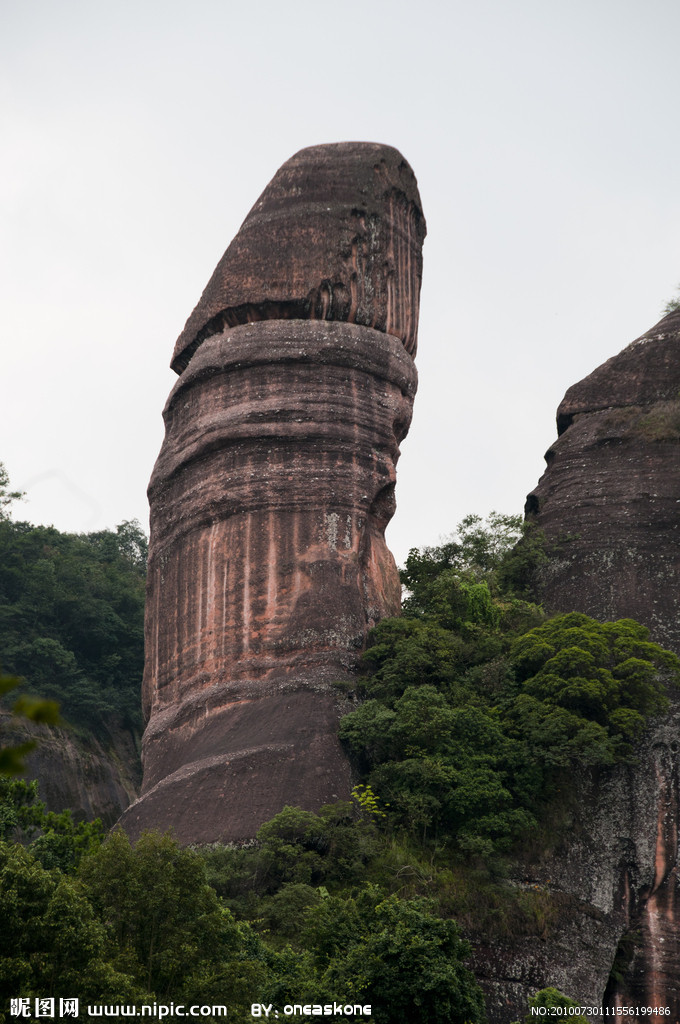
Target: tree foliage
point(166, 926)
point(476, 710)
point(673, 303)
point(396, 955)
point(502, 551)
point(55, 839)
point(51, 941)
point(71, 618)
point(587, 689)
point(7, 497)
point(118, 922)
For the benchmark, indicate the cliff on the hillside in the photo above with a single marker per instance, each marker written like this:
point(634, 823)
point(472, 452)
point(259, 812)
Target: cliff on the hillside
point(93, 777)
point(609, 505)
point(72, 631)
point(611, 936)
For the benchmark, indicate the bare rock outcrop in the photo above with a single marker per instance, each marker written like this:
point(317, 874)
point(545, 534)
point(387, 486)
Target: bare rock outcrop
point(272, 491)
point(609, 500)
point(93, 777)
point(609, 503)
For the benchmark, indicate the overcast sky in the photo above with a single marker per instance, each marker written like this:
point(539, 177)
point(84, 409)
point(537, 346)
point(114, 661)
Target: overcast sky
point(137, 135)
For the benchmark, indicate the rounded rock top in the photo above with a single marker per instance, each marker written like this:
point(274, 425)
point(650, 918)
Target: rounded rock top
point(337, 234)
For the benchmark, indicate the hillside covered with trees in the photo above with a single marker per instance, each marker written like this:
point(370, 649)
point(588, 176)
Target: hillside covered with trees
point(72, 616)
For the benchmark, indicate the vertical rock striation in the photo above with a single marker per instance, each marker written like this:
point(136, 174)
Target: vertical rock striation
point(609, 503)
point(272, 491)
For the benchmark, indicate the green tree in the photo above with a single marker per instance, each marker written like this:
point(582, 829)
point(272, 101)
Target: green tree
point(445, 766)
point(476, 708)
point(550, 999)
point(50, 940)
point(586, 689)
point(395, 955)
point(71, 619)
point(502, 550)
point(55, 839)
point(167, 927)
point(7, 497)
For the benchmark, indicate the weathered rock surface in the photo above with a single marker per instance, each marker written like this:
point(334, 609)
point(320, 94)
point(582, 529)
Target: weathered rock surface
point(610, 937)
point(271, 495)
point(609, 500)
point(609, 503)
point(336, 235)
point(78, 772)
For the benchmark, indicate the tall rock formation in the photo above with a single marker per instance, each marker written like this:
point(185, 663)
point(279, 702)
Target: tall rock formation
point(609, 503)
point(272, 491)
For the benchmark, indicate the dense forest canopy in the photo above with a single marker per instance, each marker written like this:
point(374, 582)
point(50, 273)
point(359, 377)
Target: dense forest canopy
point(476, 710)
point(473, 711)
point(72, 616)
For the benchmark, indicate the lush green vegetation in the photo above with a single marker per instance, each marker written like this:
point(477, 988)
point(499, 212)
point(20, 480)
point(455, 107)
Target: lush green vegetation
point(136, 925)
point(475, 711)
point(475, 717)
point(72, 616)
point(550, 999)
point(113, 924)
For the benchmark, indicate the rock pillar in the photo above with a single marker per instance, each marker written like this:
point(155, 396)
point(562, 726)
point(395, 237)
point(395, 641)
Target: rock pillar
point(271, 494)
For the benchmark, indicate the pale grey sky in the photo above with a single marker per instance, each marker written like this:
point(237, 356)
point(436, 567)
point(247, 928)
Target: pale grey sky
point(137, 135)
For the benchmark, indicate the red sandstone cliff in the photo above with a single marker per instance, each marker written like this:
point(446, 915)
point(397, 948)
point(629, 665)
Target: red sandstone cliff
point(272, 491)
